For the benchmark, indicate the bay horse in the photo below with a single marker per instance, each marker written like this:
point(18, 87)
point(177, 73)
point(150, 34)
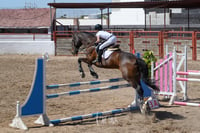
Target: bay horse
point(133, 69)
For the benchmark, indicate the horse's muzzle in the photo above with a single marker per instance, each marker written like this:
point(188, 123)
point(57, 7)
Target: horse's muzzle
point(74, 52)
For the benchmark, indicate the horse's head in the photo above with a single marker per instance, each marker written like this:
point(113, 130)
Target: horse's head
point(76, 43)
point(83, 40)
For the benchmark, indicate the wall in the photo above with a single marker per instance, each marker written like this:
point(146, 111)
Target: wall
point(127, 16)
point(82, 22)
point(154, 18)
point(182, 16)
point(27, 47)
point(64, 21)
point(91, 22)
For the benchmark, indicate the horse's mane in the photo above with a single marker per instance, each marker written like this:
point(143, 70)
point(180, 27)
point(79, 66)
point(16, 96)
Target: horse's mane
point(85, 33)
point(84, 39)
point(89, 33)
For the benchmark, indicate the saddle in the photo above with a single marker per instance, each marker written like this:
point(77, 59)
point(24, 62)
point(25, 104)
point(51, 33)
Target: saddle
point(113, 47)
point(109, 50)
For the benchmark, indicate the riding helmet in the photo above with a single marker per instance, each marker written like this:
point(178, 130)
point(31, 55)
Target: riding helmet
point(98, 27)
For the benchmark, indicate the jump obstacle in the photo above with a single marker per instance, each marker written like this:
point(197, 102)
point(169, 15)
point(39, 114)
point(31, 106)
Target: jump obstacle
point(186, 79)
point(35, 103)
point(164, 73)
point(186, 104)
point(167, 73)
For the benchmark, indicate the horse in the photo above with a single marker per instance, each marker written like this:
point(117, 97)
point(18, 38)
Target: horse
point(132, 68)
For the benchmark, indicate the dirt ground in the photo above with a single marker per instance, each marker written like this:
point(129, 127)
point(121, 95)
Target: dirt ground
point(16, 75)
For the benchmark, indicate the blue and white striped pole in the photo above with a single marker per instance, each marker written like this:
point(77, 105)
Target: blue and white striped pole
point(56, 86)
point(76, 92)
point(93, 115)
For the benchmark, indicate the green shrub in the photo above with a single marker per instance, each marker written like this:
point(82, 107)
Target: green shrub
point(149, 57)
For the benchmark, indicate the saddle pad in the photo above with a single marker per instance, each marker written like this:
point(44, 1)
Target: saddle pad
point(106, 54)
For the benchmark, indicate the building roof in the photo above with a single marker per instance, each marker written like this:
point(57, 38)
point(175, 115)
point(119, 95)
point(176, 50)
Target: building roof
point(25, 18)
point(154, 4)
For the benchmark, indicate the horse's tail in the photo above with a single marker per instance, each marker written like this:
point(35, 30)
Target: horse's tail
point(143, 68)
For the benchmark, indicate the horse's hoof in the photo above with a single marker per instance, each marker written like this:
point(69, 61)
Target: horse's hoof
point(145, 109)
point(142, 109)
point(96, 76)
point(82, 75)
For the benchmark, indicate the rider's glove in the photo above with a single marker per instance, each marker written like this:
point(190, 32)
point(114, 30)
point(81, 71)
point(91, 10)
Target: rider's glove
point(96, 43)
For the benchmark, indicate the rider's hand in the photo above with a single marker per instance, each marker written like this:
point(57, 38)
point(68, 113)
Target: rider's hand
point(96, 43)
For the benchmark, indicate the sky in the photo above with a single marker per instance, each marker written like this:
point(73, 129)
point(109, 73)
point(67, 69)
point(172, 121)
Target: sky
point(20, 4)
point(16, 4)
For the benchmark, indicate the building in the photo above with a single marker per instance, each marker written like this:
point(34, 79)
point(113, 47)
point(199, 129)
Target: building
point(173, 18)
point(26, 31)
point(32, 20)
point(145, 14)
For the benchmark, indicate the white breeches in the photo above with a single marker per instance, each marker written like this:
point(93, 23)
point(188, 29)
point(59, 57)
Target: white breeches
point(110, 41)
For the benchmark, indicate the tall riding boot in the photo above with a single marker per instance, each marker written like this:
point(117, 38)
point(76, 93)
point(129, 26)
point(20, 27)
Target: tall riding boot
point(97, 48)
point(100, 52)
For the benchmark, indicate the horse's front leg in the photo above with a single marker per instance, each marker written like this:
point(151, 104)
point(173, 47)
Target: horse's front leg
point(92, 72)
point(81, 68)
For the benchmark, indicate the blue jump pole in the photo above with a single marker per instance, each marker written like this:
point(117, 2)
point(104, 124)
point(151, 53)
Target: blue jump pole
point(56, 86)
point(93, 115)
point(76, 92)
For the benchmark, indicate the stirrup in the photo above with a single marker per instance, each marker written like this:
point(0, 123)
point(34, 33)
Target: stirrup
point(94, 61)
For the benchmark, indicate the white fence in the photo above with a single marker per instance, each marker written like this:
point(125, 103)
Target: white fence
point(24, 37)
point(27, 47)
point(20, 43)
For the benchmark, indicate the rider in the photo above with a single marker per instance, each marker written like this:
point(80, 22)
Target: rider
point(109, 39)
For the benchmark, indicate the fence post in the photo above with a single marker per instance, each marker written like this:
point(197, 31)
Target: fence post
point(54, 38)
point(194, 45)
point(131, 39)
point(161, 44)
point(33, 36)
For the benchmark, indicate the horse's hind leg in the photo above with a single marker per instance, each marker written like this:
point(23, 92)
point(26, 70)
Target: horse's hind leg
point(144, 108)
point(139, 90)
point(81, 68)
point(135, 100)
point(92, 72)
point(137, 87)
point(139, 99)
